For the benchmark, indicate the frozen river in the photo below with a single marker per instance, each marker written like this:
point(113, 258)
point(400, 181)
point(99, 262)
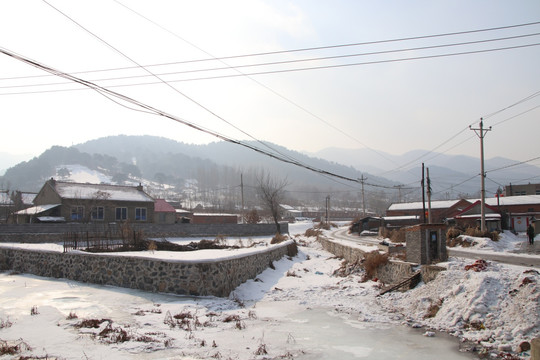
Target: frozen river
point(308, 334)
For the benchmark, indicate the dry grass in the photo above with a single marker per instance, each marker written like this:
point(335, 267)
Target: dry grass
point(13, 349)
point(433, 309)
point(261, 350)
point(278, 238)
point(152, 246)
point(371, 262)
point(5, 323)
point(453, 233)
point(71, 316)
point(395, 235)
point(312, 232)
point(454, 238)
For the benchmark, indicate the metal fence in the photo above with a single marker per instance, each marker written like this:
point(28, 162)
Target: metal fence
point(105, 238)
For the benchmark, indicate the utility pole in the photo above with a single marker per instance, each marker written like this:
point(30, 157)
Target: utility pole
point(481, 133)
point(428, 196)
point(399, 192)
point(327, 206)
point(362, 179)
point(423, 196)
point(242, 194)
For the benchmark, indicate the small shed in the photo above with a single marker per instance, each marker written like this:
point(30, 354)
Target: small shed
point(368, 223)
point(426, 243)
point(37, 214)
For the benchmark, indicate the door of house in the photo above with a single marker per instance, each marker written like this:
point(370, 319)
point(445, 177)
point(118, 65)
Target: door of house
point(433, 245)
point(519, 223)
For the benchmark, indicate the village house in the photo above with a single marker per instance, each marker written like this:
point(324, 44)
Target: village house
point(14, 201)
point(75, 202)
point(504, 212)
point(522, 189)
point(164, 213)
point(472, 215)
point(517, 211)
point(289, 212)
point(440, 210)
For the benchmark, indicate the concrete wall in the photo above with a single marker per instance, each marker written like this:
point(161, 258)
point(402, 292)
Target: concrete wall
point(217, 278)
point(55, 232)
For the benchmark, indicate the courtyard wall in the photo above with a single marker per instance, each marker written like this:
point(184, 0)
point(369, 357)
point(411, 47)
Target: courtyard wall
point(217, 278)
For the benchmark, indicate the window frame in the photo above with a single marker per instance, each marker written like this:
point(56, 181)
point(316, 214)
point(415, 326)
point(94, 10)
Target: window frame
point(95, 213)
point(76, 213)
point(140, 214)
point(122, 211)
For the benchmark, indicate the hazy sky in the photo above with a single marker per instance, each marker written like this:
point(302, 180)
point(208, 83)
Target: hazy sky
point(391, 106)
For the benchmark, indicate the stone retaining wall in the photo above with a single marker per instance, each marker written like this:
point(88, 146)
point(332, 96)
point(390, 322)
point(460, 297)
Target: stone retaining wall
point(392, 272)
point(216, 278)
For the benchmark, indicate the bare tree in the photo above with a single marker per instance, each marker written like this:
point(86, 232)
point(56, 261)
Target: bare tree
point(272, 191)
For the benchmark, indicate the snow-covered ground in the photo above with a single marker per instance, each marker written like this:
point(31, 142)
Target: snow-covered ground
point(300, 309)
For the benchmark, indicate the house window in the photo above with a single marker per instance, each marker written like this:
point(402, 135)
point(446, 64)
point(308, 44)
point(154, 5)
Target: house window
point(520, 193)
point(121, 213)
point(537, 192)
point(140, 214)
point(97, 213)
point(77, 212)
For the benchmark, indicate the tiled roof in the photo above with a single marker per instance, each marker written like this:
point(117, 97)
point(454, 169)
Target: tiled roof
point(163, 206)
point(101, 191)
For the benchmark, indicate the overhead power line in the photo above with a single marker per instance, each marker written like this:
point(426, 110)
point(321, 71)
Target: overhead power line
point(290, 51)
point(199, 104)
point(512, 165)
point(144, 107)
point(268, 72)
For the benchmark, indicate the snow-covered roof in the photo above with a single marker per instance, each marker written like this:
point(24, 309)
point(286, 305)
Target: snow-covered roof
point(36, 209)
point(405, 217)
point(101, 191)
point(182, 211)
point(28, 198)
point(443, 204)
point(51, 218)
point(418, 205)
point(213, 214)
point(514, 200)
point(5, 199)
point(473, 216)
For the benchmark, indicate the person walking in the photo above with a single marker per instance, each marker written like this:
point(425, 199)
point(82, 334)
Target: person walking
point(530, 234)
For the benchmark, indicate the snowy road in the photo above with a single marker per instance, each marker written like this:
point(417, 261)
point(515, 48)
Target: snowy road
point(506, 258)
point(343, 234)
point(503, 257)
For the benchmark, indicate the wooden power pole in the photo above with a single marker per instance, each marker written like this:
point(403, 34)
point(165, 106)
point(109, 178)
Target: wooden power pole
point(481, 133)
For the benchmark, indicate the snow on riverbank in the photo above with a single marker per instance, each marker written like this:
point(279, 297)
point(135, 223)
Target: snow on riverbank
point(495, 308)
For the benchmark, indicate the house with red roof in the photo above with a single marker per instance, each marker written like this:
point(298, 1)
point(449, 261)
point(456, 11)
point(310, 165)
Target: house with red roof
point(164, 213)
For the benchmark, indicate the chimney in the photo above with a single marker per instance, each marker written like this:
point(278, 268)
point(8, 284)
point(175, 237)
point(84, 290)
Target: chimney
point(140, 187)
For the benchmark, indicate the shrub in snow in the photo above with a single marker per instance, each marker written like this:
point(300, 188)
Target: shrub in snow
point(371, 262)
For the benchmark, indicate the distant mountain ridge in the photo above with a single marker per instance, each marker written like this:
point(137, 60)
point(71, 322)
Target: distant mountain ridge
point(445, 169)
point(219, 165)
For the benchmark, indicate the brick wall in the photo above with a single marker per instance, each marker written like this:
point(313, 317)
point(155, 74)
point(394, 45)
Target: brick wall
point(55, 232)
